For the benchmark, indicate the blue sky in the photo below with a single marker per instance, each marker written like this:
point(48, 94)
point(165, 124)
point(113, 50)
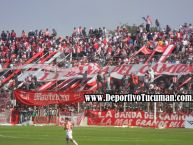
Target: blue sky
point(64, 15)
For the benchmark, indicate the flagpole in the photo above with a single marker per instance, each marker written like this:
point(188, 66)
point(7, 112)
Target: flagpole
point(185, 82)
point(155, 113)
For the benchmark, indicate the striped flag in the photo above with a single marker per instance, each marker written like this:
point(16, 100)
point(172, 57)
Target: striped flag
point(166, 53)
point(164, 56)
point(159, 48)
point(151, 56)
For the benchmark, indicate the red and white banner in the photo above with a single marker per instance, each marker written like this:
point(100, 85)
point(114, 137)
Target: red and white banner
point(115, 71)
point(166, 53)
point(45, 98)
point(135, 118)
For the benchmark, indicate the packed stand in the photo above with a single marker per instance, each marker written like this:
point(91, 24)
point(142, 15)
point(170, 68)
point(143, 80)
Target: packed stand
point(106, 48)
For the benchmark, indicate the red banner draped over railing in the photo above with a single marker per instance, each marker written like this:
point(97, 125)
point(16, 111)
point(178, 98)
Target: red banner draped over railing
point(44, 98)
point(135, 118)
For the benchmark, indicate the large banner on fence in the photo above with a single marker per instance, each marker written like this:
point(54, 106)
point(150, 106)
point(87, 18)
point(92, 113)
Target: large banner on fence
point(45, 98)
point(54, 73)
point(135, 118)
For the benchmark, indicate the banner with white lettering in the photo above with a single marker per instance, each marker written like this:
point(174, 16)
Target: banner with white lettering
point(45, 98)
point(189, 122)
point(135, 118)
point(115, 71)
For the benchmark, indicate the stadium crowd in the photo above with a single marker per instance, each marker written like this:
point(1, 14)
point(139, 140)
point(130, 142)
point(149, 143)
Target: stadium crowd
point(105, 48)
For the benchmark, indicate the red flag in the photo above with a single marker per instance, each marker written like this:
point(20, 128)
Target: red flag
point(160, 48)
point(145, 50)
